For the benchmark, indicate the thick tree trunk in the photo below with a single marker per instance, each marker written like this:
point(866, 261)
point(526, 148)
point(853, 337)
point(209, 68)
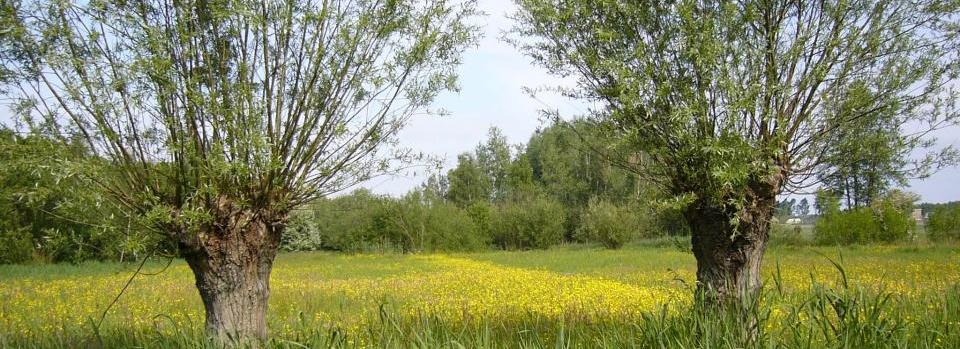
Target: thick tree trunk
point(231, 260)
point(729, 255)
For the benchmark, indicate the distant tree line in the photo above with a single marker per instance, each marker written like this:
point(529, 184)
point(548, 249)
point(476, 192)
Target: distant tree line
point(557, 188)
point(554, 189)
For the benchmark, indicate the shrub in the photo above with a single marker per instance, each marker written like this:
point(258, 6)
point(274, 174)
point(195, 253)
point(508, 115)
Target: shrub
point(15, 246)
point(894, 220)
point(609, 224)
point(414, 224)
point(482, 214)
point(301, 234)
point(343, 223)
point(451, 228)
point(530, 223)
point(846, 227)
point(667, 222)
point(787, 235)
point(944, 223)
point(887, 220)
point(362, 221)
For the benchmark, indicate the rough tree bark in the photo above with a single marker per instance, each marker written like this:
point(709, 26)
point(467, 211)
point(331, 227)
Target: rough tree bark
point(729, 255)
point(231, 259)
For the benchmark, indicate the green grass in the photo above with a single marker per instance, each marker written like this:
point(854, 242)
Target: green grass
point(896, 296)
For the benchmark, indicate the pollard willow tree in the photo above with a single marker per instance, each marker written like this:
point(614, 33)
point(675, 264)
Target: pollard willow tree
point(220, 117)
point(736, 102)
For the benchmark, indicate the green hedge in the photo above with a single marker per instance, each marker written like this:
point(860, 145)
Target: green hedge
point(885, 221)
point(944, 223)
point(532, 223)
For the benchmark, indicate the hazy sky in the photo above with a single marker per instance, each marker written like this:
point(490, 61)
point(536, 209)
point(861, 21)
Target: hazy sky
point(492, 78)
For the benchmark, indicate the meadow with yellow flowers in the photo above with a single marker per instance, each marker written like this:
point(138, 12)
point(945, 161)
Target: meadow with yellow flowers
point(573, 296)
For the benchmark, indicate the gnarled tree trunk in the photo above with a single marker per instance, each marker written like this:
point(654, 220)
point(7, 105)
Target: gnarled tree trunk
point(729, 255)
point(231, 260)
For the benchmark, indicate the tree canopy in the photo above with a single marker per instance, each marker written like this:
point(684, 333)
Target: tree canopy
point(220, 117)
point(278, 101)
point(737, 101)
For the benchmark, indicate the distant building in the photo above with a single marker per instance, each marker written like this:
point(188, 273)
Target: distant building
point(917, 214)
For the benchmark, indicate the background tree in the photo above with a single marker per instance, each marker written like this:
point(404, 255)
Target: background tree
point(872, 154)
point(803, 208)
point(944, 221)
point(469, 182)
point(785, 208)
point(737, 101)
point(435, 187)
point(222, 116)
point(494, 158)
point(573, 163)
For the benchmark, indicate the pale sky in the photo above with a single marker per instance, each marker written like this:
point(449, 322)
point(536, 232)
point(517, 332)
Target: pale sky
point(492, 78)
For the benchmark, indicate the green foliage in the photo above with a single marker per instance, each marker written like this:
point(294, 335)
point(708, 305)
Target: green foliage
point(573, 163)
point(16, 246)
point(269, 106)
point(610, 224)
point(344, 223)
point(563, 163)
point(887, 220)
point(483, 215)
point(415, 225)
point(468, 182)
point(788, 235)
point(532, 223)
point(494, 157)
point(735, 101)
point(944, 222)
point(362, 221)
point(576, 161)
point(857, 225)
point(785, 208)
point(51, 214)
point(491, 173)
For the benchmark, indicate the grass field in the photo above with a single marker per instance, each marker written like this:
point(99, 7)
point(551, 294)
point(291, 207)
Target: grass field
point(574, 296)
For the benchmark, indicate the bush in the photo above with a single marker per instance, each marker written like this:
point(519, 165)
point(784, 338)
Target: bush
point(887, 220)
point(894, 220)
point(944, 223)
point(362, 221)
point(343, 223)
point(667, 222)
point(301, 234)
point(846, 227)
point(414, 225)
point(531, 223)
point(787, 235)
point(482, 214)
point(609, 224)
point(15, 246)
